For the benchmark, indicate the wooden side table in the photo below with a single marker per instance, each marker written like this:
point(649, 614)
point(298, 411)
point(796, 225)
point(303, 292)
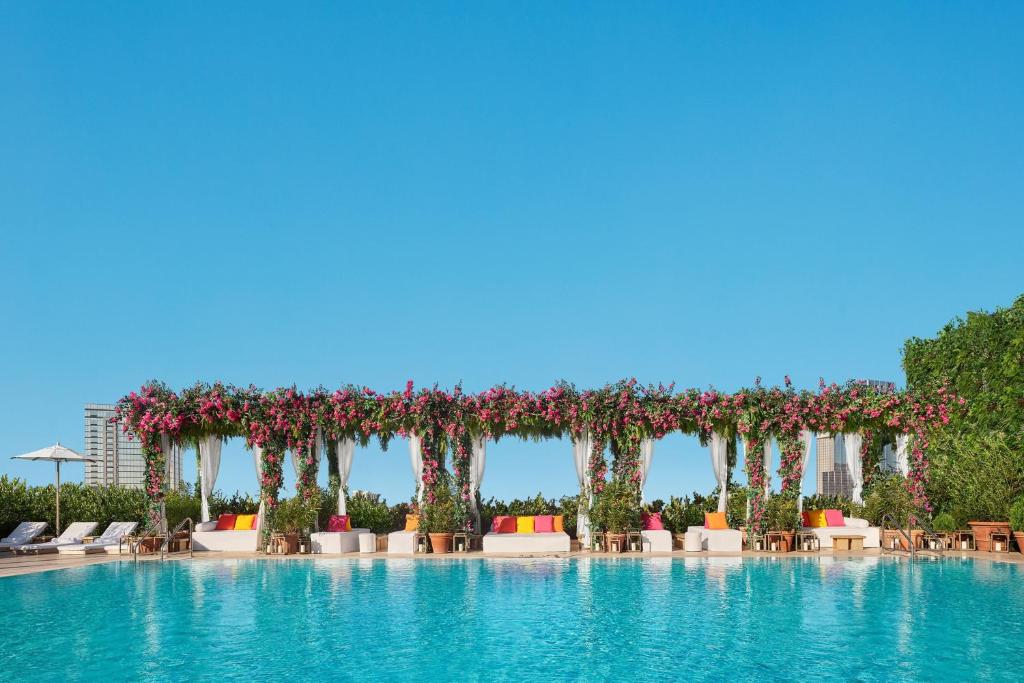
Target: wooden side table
point(808, 542)
point(964, 540)
point(847, 542)
point(597, 541)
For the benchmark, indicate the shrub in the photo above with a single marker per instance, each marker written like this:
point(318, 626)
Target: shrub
point(616, 508)
point(567, 506)
point(975, 477)
point(844, 505)
point(688, 511)
point(945, 523)
point(440, 516)
point(889, 495)
point(1017, 515)
point(292, 516)
point(369, 511)
point(782, 514)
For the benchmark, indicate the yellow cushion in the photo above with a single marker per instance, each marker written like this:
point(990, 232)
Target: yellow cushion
point(245, 522)
point(715, 520)
point(412, 522)
point(817, 518)
point(557, 522)
point(524, 525)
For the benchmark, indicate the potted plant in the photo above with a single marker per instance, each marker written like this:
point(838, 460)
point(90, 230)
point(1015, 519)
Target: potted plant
point(1017, 522)
point(616, 509)
point(782, 519)
point(439, 520)
point(945, 526)
point(983, 530)
point(288, 520)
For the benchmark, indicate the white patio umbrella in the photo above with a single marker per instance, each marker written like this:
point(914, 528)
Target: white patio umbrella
point(56, 454)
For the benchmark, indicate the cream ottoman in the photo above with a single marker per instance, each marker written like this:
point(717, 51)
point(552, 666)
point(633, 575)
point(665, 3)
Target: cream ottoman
point(692, 541)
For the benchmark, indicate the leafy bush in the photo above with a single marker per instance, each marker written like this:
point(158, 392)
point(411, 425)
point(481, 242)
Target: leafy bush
point(293, 515)
point(975, 477)
point(370, 511)
point(616, 508)
point(844, 505)
point(688, 511)
point(889, 495)
point(440, 516)
point(78, 503)
point(781, 514)
point(1017, 515)
point(567, 506)
point(945, 523)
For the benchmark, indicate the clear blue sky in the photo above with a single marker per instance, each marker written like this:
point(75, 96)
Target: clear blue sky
point(489, 193)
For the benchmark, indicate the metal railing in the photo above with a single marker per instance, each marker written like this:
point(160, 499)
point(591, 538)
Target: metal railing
point(907, 535)
point(171, 536)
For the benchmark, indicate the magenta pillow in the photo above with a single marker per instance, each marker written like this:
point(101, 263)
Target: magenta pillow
point(543, 524)
point(834, 518)
point(338, 523)
point(652, 521)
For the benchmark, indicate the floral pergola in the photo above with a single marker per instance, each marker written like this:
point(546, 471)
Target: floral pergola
point(624, 418)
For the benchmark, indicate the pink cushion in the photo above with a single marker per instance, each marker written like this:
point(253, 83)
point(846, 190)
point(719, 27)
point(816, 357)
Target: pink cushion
point(834, 518)
point(543, 524)
point(652, 521)
point(338, 523)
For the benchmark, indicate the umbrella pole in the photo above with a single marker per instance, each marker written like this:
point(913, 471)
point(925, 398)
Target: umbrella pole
point(58, 497)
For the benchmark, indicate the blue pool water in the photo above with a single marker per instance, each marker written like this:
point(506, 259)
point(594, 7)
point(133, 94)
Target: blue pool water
point(869, 619)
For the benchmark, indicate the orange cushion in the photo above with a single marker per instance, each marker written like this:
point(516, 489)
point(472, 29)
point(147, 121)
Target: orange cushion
point(226, 522)
point(412, 522)
point(558, 521)
point(245, 522)
point(715, 520)
point(817, 518)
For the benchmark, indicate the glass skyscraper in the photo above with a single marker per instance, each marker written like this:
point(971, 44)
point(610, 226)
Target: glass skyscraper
point(120, 460)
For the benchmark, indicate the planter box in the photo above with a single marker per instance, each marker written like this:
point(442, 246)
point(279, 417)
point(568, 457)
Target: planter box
point(983, 533)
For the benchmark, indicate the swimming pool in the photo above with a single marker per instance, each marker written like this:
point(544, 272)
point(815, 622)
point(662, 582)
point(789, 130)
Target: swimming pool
point(872, 619)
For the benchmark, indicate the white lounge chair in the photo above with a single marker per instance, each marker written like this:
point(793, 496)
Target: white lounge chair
point(109, 541)
point(22, 534)
point(73, 534)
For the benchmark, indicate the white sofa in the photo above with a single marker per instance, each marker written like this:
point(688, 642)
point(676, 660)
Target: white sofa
point(542, 542)
point(336, 542)
point(719, 540)
point(206, 537)
point(657, 541)
point(855, 526)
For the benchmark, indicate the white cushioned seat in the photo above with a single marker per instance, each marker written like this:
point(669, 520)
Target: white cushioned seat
point(401, 543)
point(657, 541)
point(719, 540)
point(854, 526)
point(336, 542)
point(206, 537)
point(543, 542)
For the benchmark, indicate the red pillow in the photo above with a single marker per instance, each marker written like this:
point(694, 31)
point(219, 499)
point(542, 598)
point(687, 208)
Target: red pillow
point(543, 524)
point(503, 524)
point(338, 523)
point(806, 517)
point(226, 522)
point(652, 521)
point(834, 518)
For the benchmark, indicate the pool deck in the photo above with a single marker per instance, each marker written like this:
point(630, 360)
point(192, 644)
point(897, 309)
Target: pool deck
point(14, 565)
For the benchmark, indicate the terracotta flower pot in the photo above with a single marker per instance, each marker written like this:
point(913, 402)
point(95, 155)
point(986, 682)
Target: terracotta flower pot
point(620, 538)
point(788, 541)
point(441, 544)
point(983, 533)
point(1019, 537)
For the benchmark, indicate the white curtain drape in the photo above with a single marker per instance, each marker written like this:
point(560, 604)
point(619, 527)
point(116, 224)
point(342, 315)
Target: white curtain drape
point(720, 464)
point(646, 456)
point(805, 437)
point(209, 466)
point(346, 450)
point(851, 446)
point(416, 460)
point(902, 461)
point(257, 459)
point(477, 460)
point(581, 447)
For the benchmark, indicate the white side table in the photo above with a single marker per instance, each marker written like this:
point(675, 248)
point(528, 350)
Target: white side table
point(367, 543)
point(692, 542)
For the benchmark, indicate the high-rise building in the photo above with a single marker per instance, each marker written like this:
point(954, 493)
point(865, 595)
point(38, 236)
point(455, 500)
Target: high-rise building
point(120, 460)
point(833, 473)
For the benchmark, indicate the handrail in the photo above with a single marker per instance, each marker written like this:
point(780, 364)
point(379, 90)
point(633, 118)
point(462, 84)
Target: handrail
point(171, 534)
point(908, 535)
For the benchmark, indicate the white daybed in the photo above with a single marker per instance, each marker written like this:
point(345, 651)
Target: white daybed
point(719, 540)
point(22, 534)
point(855, 526)
point(109, 541)
point(206, 537)
point(659, 541)
point(73, 534)
point(335, 542)
point(537, 542)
